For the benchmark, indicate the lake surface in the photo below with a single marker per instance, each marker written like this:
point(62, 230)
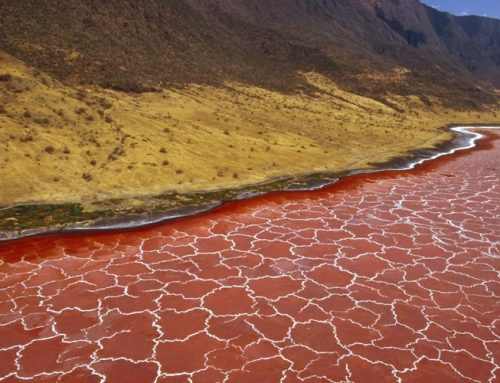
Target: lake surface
point(383, 277)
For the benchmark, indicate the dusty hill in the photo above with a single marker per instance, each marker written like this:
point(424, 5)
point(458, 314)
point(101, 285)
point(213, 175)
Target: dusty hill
point(141, 45)
point(106, 103)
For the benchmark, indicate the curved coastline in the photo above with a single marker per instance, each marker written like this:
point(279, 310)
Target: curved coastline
point(464, 138)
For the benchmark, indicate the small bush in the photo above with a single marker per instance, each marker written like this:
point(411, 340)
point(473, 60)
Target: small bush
point(6, 77)
point(105, 104)
point(26, 138)
point(163, 150)
point(27, 114)
point(42, 121)
point(80, 95)
point(108, 119)
point(179, 171)
point(50, 149)
point(87, 177)
point(118, 151)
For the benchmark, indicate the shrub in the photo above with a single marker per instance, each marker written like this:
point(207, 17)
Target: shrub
point(87, 177)
point(27, 114)
point(26, 138)
point(105, 104)
point(50, 149)
point(6, 77)
point(41, 121)
point(80, 94)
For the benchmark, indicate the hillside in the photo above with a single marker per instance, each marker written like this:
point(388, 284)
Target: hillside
point(143, 45)
point(107, 104)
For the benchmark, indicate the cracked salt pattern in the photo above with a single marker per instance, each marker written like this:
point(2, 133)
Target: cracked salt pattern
point(388, 277)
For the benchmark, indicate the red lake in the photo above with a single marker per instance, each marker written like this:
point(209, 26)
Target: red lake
point(382, 277)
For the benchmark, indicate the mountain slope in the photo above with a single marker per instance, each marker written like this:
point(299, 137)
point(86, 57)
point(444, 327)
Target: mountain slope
point(141, 45)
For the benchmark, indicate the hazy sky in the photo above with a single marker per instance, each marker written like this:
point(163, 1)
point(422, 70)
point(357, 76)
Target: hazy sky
point(490, 8)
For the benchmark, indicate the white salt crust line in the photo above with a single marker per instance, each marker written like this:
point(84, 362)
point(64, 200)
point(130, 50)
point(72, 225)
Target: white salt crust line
point(471, 143)
point(465, 130)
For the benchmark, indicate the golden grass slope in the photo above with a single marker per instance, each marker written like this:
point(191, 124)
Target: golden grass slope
point(61, 144)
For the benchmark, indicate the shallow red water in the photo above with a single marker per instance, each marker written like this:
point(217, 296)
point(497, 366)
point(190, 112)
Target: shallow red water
point(381, 278)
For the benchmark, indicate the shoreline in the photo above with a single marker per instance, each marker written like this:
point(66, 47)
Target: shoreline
point(464, 137)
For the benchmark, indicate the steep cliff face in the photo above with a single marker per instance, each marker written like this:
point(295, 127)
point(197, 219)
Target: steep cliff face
point(469, 45)
point(376, 30)
point(472, 42)
point(139, 45)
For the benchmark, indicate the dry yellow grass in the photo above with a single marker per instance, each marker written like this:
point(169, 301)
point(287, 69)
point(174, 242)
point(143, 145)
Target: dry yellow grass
point(60, 144)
